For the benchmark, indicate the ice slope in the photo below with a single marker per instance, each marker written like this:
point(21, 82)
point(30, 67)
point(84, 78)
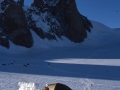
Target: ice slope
point(91, 65)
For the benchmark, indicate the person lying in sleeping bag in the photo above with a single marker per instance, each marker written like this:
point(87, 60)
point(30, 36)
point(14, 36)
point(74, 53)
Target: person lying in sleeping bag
point(57, 86)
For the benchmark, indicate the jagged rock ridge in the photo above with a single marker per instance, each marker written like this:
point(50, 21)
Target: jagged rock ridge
point(48, 18)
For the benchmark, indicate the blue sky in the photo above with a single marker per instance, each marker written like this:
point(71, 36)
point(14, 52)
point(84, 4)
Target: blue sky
point(104, 11)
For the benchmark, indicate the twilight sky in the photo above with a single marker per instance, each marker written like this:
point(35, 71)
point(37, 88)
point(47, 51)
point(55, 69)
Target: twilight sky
point(104, 11)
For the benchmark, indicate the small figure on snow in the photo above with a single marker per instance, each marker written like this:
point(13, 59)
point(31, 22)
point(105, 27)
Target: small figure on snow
point(57, 86)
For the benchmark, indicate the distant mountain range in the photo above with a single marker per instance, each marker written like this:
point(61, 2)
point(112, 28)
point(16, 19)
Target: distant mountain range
point(49, 19)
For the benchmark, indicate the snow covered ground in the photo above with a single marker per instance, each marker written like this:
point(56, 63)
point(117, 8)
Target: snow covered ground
point(91, 65)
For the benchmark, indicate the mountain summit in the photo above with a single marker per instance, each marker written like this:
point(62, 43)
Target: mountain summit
point(47, 18)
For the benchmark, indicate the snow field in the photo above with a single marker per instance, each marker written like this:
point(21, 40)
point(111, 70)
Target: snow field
point(90, 65)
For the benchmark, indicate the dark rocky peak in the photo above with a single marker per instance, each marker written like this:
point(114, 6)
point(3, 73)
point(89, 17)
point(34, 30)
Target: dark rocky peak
point(3, 39)
point(16, 26)
point(38, 3)
point(47, 18)
point(87, 24)
point(21, 2)
point(42, 21)
point(6, 3)
point(73, 20)
point(72, 24)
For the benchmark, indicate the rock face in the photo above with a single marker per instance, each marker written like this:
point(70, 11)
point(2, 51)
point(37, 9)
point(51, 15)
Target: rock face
point(21, 2)
point(73, 25)
point(3, 39)
point(16, 26)
point(38, 3)
point(48, 18)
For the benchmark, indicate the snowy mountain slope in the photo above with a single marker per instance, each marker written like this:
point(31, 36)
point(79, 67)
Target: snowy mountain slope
point(97, 37)
point(116, 29)
point(101, 34)
point(90, 65)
